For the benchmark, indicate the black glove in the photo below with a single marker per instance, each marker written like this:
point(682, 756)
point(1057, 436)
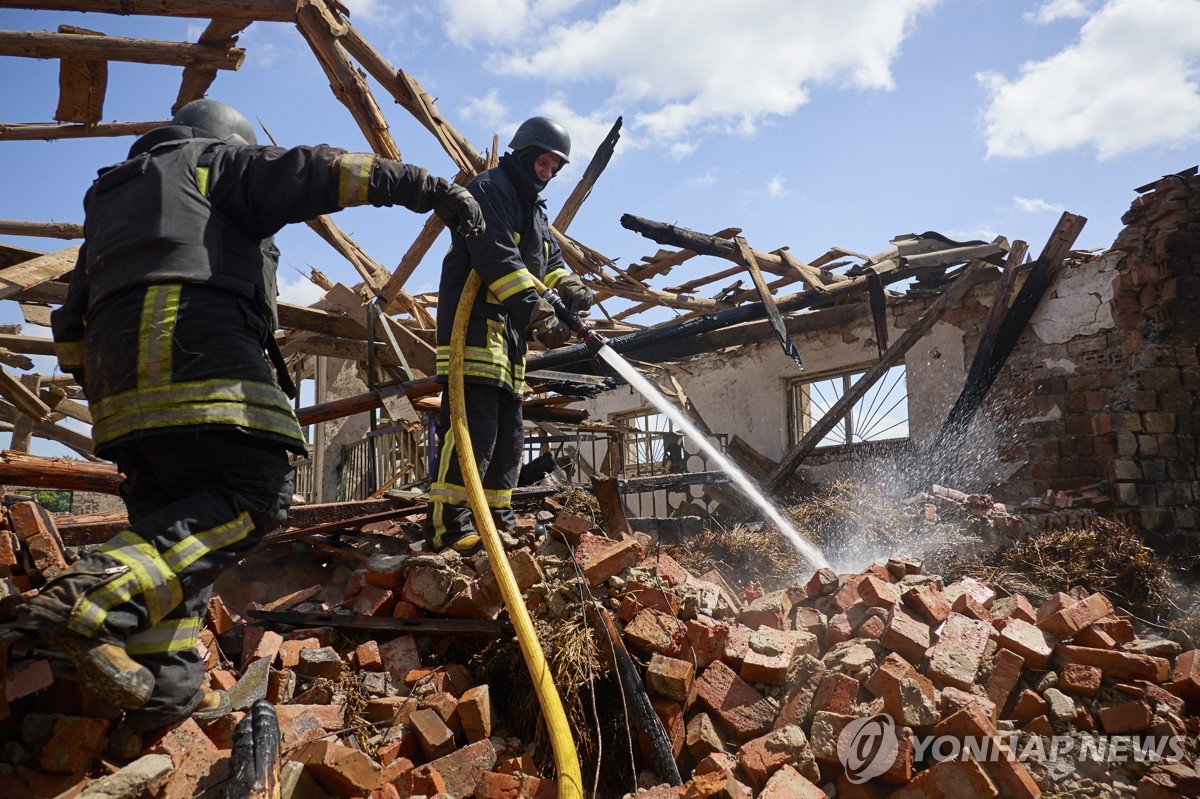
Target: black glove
point(575, 294)
point(455, 206)
point(547, 327)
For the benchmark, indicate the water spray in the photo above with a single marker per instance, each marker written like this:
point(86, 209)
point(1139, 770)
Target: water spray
point(599, 347)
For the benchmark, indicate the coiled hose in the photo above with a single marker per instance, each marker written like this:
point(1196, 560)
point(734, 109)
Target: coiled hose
point(566, 760)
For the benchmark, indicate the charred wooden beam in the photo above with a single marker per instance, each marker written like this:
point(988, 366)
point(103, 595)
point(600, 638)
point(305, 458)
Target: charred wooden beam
point(51, 230)
point(353, 523)
point(254, 761)
point(371, 400)
point(266, 10)
point(608, 493)
point(704, 244)
point(473, 628)
point(793, 457)
point(49, 131)
point(992, 354)
point(42, 44)
point(747, 258)
point(584, 187)
point(660, 266)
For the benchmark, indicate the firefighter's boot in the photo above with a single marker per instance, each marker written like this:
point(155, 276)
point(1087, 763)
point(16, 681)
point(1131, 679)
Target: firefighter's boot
point(106, 670)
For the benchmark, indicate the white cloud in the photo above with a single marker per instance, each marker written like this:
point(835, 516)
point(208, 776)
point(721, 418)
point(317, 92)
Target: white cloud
point(488, 110)
point(703, 181)
point(299, 291)
point(682, 69)
point(499, 21)
point(1053, 10)
point(1035, 205)
point(776, 188)
point(361, 10)
point(1128, 83)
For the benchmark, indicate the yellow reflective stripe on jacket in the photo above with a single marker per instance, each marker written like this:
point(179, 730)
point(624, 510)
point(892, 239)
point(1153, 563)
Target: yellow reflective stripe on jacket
point(69, 354)
point(171, 635)
point(194, 547)
point(91, 610)
point(510, 284)
point(354, 178)
point(498, 497)
point(194, 391)
point(202, 175)
point(553, 276)
point(156, 334)
point(230, 413)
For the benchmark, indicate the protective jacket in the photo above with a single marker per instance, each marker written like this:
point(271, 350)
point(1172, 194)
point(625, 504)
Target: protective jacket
point(516, 247)
point(172, 300)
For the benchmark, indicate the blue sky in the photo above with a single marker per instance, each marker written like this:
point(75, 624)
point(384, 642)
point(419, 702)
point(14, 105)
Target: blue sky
point(807, 123)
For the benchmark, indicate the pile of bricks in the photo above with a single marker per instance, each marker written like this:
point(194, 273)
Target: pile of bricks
point(753, 691)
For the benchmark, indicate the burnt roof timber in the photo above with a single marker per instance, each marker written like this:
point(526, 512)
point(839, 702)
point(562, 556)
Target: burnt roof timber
point(198, 78)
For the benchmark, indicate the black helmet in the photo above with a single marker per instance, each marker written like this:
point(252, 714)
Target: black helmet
point(217, 120)
point(544, 134)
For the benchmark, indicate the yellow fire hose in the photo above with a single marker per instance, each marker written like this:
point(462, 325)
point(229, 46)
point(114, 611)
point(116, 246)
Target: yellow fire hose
point(566, 760)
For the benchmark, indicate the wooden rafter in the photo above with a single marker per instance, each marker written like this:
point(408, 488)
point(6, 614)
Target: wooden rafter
point(197, 78)
point(41, 44)
point(50, 131)
point(250, 10)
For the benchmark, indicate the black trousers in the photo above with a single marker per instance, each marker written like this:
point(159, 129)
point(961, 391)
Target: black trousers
point(495, 423)
point(198, 502)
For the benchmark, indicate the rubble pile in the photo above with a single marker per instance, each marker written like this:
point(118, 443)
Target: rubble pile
point(881, 683)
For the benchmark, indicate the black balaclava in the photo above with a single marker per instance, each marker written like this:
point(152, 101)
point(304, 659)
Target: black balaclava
point(520, 169)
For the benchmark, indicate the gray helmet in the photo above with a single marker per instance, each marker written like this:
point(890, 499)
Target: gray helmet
point(217, 120)
point(544, 134)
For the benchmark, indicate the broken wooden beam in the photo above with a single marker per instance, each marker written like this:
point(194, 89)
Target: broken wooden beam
point(51, 266)
point(986, 366)
point(594, 168)
point(266, 10)
point(704, 244)
point(197, 78)
point(52, 432)
point(36, 471)
point(82, 84)
point(608, 493)
point(50, 230)
point(371, 400)
point(43, 44)
point(254, 760)
point(22, 397)
point(747, 258)
point(49, 131)
point(791, 459)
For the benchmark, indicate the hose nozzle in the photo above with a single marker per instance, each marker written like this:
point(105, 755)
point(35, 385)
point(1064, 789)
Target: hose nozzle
point(587, 336)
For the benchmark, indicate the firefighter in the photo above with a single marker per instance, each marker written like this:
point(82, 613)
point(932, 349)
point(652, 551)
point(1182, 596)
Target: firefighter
point(170, 310)
point(516, 247)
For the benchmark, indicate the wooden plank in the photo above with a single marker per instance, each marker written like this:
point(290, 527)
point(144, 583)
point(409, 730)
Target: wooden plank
point(36, 314)
point(197, 79)
point(267, 10)
point(584, 187)
point(42, 44)
point(748, 259)
point(53, 230)
point(673, 235)
point(815, 279)
point(792, 458)
point(81, 85)
point(15, 279)
point(50, 131)
point(23, 427)
point(36, 471)
point(56, 397)
point(22, 397)
point(27, 345)
point(18, 362)
point(371, 400)
point(660, 266)
point(347, 83)
point(878, 298)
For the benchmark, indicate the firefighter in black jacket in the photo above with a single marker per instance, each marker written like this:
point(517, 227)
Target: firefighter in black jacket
point(517, 246)
point(170, 308)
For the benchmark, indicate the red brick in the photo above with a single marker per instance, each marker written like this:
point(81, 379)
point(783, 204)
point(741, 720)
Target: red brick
point(638, 596)
point(475, 713)
point(74, 743)
point(27, 678)
point(525, 571)
point(769, 611)
point(670, 677)
point(34, 526)
point(949, 779)
point(1119, 629)
point(218, 617)
point(670, 715)
point(571, 527)
point(837, 693)
point(1011, 777)
point(611, 561)
point(954, 700)
point(1015, 606)
point(731, 698)
point(428, 587)
point(368, 657)
point(878, 593)
point(462, 769)
point(908, 696)
point(652, 631)
point(1095, 637)
point(823, 582)
point(787, 783)
point(444, 704)
point(956, 657)
point(1070, 620)
point(827, 727)
point(399, 656)
point(222, 679)
point(1079, 680)
point(1054, 604)
point(1126, 717)
point(341, 770)
point(289, 651)
point(204, 773)
point(769, 657)
point(330, 717)
point(420, 781)
point(906, 635)
point(762, 757)
point(967, 605)
point(260, 644)
point(1006, 671)
point(373, 601)
point(1035, 645)
point(928, 602)
point(494, 785)
point(390, 710)
point(433, 735)
point(299, 730)
point(873, 627)
point(1039, 726)
point(705, 641)
point(1169, 781)
point(1185, 677)
point(1118, 665)
point(1029, 705)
